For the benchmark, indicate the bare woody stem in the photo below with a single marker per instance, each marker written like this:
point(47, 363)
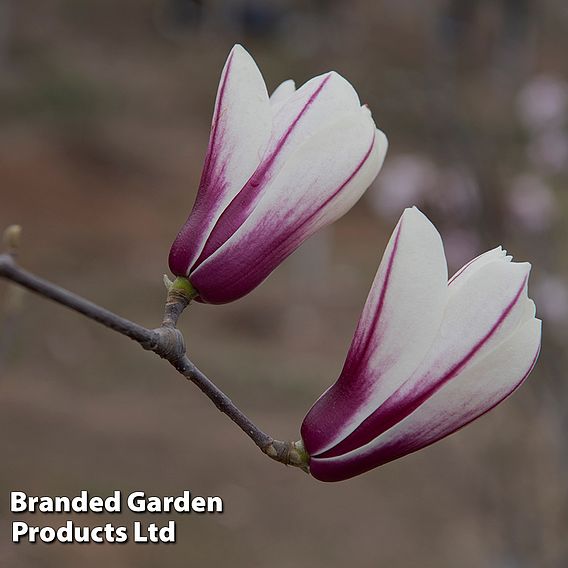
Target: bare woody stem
point(168, 343)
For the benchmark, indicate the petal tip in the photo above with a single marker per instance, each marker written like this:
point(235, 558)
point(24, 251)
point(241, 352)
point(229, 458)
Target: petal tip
point(238, 48)
point(240, 55)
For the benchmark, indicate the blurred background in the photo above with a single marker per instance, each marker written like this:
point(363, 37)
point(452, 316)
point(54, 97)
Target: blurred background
point(104, 119)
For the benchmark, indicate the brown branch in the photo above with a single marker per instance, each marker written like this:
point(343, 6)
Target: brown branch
point(168, 343)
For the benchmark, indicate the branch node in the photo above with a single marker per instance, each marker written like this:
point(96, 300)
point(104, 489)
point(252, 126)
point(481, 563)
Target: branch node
point(168, 343)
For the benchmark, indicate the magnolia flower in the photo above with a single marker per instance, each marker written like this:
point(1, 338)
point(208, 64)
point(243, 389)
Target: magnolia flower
point(277, 169)
point(428, 356)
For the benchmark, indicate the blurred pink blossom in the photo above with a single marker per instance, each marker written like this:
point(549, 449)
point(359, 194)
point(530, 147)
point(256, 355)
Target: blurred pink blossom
point(458, 191)
point(549, 150)
point(406, 180)
point(531, 202)
point(543, 102)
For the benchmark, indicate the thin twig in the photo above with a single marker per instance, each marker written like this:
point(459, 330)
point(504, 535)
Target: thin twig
point(11, 271)
point(167, 342)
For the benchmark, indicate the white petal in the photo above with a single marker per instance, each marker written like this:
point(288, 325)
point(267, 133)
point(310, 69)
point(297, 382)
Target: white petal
point(240, 131)
point(316, 105)
point(488, 308)
point(311, 187)
point(319, 183)
point(469, 395)
point(282, 92)
point(461, 277)
point(398, 326)
point(314, 108)
point(495, 254)
point(484, 298)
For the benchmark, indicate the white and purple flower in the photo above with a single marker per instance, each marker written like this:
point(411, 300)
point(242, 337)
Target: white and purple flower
point(428, 356)
point(277, 169)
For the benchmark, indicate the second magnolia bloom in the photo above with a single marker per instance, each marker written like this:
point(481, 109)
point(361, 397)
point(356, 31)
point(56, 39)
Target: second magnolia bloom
point(428, 356)
point(277, 169)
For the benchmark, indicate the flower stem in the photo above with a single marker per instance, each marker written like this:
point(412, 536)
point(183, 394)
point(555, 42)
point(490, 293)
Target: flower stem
point(180, 295)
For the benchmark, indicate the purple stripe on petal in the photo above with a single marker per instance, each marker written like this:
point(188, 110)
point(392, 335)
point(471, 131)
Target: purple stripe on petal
point(412, 394)
point(240, 131)
point(233, 272)
point(407, 444)
point(210, 159)
point(360, 352)
point(244, 202)
point(489, 256)
point(211, 186)
point(320, 425)
point(297, 228)
point(346, 467)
